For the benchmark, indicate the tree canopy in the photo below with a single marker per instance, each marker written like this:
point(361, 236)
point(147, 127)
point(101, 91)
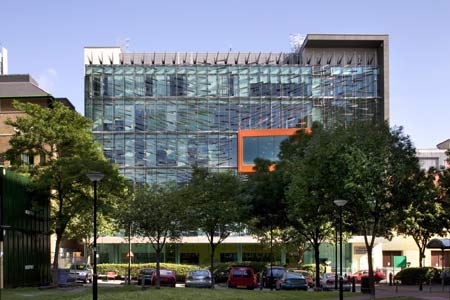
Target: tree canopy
point(215, 206)
point(61, 138)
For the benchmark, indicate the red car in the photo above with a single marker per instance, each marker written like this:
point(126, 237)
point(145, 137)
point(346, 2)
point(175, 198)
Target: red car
point(166, 277)
point(242, 277)
point(378, 275)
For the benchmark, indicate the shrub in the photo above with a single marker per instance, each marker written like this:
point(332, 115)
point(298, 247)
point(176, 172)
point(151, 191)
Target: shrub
point(413, 276)
point(121, 270)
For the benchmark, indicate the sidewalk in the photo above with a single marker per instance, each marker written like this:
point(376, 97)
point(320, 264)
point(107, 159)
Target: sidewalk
point(433, 292)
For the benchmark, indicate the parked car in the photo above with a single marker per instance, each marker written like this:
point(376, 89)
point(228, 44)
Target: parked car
point(377, 275)
point(242, 277)
point(198, 278)
point(145, 276)
point(277, 272)
point(292, 281)
point(308, 276)
point(81, 272)
point(166, 278)
point(327, 282)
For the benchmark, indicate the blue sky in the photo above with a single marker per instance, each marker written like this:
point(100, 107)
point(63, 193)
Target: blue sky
point(46, 40)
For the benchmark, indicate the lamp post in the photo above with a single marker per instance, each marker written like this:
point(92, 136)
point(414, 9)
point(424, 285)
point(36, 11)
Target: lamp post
point(340, 204)
point(95, 177)
point(335, 258)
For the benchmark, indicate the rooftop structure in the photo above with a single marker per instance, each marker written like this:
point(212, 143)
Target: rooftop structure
point(3, 61)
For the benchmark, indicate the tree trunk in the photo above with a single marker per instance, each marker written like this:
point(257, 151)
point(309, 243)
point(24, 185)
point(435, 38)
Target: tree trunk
point(371, 279)
point(158, 273)
point(421, 257)
point(213, 250)
point(317, 260)
point(56, 259)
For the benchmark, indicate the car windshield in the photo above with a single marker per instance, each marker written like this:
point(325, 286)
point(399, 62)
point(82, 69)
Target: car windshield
point(276, 272)
point(166, 272)
point(146, 271)
point(291, 275)
point(81, 267)
point(241, 273)
point(200, 273)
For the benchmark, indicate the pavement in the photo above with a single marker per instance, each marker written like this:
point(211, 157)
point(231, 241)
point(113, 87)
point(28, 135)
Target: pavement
point(429, 292)
point(433, 292)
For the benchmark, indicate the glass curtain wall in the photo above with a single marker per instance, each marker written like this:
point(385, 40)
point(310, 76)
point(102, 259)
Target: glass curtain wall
point(155, 122)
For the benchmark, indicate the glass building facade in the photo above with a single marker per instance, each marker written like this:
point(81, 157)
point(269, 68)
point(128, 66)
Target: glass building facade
point(157, 115)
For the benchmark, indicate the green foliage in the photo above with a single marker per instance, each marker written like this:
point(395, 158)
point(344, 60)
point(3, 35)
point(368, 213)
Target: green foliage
point(264, 190)
point(381, 164)
point(424, 217)
point(316, 173)
point(63, 140)
point(122, 269)
point(413, 276)
point(214, 205)
point(157, 213)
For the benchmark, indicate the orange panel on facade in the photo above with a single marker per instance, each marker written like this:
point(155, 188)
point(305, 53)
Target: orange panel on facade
point(248, 168)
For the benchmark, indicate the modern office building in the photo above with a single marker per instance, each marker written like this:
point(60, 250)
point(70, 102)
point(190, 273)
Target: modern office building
point(157, 114)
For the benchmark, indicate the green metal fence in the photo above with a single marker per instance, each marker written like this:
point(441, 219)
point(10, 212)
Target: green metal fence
point(27, 237)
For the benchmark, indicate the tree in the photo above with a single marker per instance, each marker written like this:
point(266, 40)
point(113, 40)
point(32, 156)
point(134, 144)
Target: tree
point(215, 206)
point(316, 181)
point(61, 138)
point(381, 165)
point(265, 192)
point(424, 217)
point(158, 213)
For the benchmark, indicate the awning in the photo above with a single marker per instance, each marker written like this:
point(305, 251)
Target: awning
point(439, 244)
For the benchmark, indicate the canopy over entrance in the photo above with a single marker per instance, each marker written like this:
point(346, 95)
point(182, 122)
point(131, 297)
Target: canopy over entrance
point(439, 244)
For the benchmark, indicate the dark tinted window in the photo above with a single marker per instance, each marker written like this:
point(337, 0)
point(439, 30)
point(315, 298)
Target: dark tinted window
point(241, 273)
point(294, 276)
point(275, 272)
point(200, 273)
point(147, 271)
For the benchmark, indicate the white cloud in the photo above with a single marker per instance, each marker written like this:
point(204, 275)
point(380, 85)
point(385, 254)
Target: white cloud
point(47, 80)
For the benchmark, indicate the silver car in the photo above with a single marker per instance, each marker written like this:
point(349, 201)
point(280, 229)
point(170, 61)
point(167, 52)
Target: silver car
point(327, 282)
point(81, 272)
point(198, 278)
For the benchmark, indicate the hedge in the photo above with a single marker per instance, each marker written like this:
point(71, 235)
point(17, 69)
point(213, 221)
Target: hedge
point(221, 270)
point(413, 276)
point(121, 270)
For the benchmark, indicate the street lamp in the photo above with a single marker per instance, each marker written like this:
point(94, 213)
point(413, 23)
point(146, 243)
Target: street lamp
point(340, 203)
point(95, 177)
point(335, 257)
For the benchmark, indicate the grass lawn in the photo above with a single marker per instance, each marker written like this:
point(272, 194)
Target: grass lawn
point(136, 293)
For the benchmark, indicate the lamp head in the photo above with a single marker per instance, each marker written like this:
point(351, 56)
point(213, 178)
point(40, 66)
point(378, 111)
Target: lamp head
point(340, 202)
point(95, 176)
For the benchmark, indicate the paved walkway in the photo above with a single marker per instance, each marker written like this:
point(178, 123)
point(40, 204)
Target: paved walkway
point(433, 292)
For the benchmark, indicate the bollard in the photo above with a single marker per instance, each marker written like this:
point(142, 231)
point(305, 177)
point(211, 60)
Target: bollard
point(390, 279)
point(353, 284)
